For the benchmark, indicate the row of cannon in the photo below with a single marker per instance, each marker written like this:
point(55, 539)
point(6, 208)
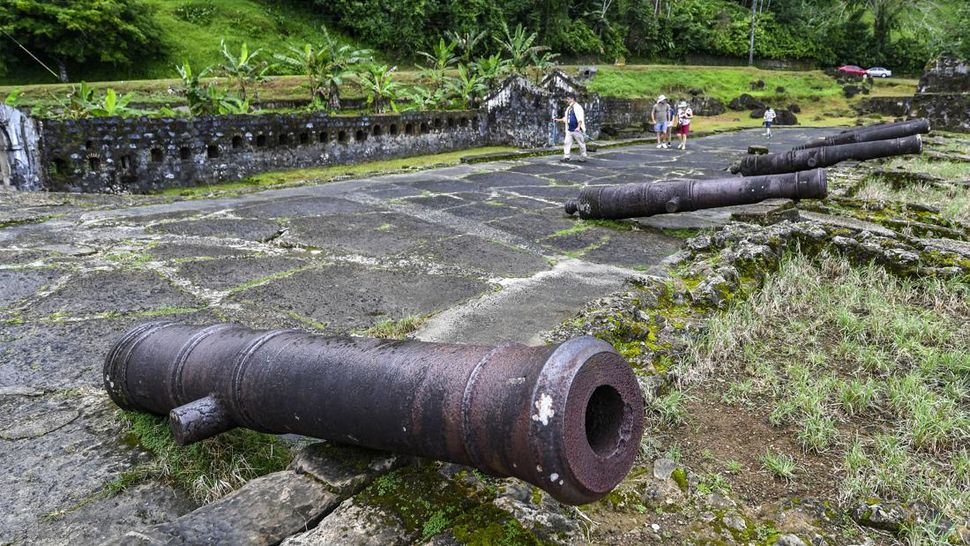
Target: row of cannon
point(796, 174)
point(567, 418)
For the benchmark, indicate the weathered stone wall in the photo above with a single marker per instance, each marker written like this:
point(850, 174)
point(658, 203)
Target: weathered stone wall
point(520, 113)
point(145, 154)
point(943, 94)
point(19, 154)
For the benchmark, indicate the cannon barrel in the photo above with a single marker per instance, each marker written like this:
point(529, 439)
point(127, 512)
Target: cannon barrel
point(567, 418)
point(649, 198)
point(883, 131)
point(826, 156)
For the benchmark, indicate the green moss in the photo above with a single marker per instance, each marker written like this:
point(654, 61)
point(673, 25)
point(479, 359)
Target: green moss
point(679, 476)
point(426, 504)
point(394, 329)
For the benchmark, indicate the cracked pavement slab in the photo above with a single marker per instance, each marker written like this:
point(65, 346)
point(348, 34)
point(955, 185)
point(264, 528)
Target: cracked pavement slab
point(474, 248)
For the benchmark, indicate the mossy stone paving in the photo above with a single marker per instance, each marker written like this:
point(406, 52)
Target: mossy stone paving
point(337, 257)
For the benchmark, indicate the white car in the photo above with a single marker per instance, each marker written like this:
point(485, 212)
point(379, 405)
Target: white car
point(879, 72)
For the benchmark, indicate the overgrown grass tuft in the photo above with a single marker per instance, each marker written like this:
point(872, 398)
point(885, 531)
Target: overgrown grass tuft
point(779, 464)
point(207, 470)
point(861, 363)
point(395, 329)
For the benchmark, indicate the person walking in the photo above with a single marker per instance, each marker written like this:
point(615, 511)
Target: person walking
point(768, 120)
point(684, 115)
point(658, 117)
point(575, 120)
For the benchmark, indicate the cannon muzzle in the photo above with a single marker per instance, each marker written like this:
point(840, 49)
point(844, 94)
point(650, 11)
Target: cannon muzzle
point(883, 131)
point(826, 156)
point(567, 418)
point(647, 199)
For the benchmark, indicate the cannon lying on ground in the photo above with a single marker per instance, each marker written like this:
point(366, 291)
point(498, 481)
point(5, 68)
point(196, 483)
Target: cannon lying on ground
point(567, 418)
point(649, 198)
point(826, 156)
point(873, 132)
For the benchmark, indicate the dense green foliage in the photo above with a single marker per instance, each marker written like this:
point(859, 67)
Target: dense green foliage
point(900, 33)
point(116, 32)
point(148, 38)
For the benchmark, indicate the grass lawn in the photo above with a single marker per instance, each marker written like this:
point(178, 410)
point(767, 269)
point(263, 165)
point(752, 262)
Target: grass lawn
point(859, 369)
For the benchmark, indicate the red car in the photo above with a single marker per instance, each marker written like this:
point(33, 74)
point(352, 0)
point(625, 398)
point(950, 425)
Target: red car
point(852, 69)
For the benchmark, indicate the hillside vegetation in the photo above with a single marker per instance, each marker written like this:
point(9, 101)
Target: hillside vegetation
point(146, 39)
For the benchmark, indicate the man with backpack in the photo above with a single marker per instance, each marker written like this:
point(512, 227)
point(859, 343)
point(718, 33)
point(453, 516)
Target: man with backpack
point(575, 120)
point(659, 117)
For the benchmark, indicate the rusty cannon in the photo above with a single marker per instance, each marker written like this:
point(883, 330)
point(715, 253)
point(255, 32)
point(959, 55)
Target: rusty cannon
point(826, 156)
point(650, 198)
point(871, 133)
point(567, 418)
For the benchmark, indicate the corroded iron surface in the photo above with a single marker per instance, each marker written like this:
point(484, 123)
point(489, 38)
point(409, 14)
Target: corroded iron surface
point(566, 418)
point(648, 199)
point(871, 133)
point(826, 156)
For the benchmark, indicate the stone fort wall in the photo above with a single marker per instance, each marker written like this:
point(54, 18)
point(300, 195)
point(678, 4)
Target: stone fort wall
point(147, 154)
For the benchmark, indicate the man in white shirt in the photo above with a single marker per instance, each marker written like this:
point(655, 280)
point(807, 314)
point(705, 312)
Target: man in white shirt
point(768, 120)
point(575, 120)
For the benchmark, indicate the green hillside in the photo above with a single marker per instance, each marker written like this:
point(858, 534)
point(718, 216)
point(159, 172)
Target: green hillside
point(193, 30)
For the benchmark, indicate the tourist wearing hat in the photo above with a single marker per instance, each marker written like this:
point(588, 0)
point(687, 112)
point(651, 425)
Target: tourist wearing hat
point(658, 117)
point(684, 115)
point(575, 120)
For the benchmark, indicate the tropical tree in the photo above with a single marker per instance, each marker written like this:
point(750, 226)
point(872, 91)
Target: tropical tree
point(520, 51)
point(304, 60)
point(467, 88)
point(338, 62)
point(117, 32)
point(245, 70)
point(382, 90)
point(207, 99)
point(491, 69)
point(467, 43)
point(437, 62)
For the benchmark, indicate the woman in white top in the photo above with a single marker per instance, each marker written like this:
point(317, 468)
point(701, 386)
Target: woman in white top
point(684, 115)
point(768, 120)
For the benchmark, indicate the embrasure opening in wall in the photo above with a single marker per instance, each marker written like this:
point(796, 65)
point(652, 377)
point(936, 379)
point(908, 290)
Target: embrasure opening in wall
point(94, 163)
point(393, 129)
point(237, 142)
point(378, 130)
point(304, 139)
point(212, 151)
point(185, 153)
point(360, 135)
point(260, 140)
point(284, 139)
point(323, 137)
point(342, 137)
point(157, 155)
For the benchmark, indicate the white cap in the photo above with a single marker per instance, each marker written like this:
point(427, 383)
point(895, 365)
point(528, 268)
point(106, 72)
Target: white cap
point(661, 98)
point(683, 104)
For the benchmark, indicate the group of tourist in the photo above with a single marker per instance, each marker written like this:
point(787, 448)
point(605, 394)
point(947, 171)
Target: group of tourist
point(663, 116)
point(665, 119)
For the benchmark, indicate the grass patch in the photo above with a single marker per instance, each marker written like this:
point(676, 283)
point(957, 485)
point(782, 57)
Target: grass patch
point(862, 364)
point(325, 174)
point(953, 202)
point(779, 464)
point(206, 470)
point(395, 329)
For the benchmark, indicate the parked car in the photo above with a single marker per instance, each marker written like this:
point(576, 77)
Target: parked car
point(879, 72)
point(852, 69)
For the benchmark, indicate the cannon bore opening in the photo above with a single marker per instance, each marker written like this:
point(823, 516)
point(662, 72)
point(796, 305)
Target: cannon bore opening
point(604, 420)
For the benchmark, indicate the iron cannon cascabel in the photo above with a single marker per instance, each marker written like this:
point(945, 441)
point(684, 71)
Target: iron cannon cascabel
point(567, 418)
point(649, 198)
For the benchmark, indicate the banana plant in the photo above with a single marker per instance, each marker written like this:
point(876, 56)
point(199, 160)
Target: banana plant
point(306, 60)
point(466, 89)
point(244, 69)
point(437, 62)
point(113, 105)
point(519, 48)
point(339, 61)
point(491, 69)
point(467, 43)
point(13, 97)
point(382, 90)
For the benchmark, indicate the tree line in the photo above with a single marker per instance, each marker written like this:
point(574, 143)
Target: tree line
point(903, 34)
